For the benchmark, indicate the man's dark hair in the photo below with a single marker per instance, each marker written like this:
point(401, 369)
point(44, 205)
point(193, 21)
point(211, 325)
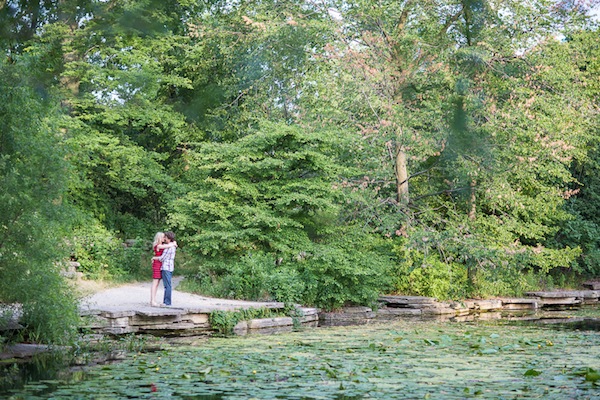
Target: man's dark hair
point(170, 235)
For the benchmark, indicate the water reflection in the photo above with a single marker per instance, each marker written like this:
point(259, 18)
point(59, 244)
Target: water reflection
point(16, 373)
point(583, 324)
point(50, 369)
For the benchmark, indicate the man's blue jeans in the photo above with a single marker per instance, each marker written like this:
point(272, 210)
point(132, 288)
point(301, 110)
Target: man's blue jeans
point(166, 278)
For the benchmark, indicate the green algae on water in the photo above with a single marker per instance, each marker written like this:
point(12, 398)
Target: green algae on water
point(403, 360)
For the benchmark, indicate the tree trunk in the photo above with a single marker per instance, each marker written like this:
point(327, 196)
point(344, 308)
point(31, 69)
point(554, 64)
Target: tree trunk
point(472, 201)
point(401, 177)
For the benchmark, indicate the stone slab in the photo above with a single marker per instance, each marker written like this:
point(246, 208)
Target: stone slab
point(478, 305)
point(120, 330)
point(241, 328)
point(400, 301)
point(356, 310)
point(565, 301)
point(438, 311)
point(24, 350)
point(308, 318)
point(174, 327)
point(308, 311)
point(589, 294)
point(155, 320)
point(346, 316)
point(388, 313)
point(160, 312)
point(117, 313)
point(86, 311)
point(593, 285)
point(118, 322)
point(519, 300)
point(196, 318)
point(488, 305)
point(263, 323)
point(520, 306)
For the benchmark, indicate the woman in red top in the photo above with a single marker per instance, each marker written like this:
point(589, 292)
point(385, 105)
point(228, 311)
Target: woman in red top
point(157, 246)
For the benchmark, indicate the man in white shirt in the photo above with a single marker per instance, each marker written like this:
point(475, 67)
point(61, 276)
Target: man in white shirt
point(168, 266)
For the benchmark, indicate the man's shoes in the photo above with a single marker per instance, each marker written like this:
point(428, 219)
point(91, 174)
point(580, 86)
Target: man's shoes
point(165, 305)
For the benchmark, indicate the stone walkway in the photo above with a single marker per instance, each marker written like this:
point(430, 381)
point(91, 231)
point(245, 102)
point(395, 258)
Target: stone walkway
point(136, 297)
point(126, 309)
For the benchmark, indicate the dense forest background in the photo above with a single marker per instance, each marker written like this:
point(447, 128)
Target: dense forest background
point(316, 151)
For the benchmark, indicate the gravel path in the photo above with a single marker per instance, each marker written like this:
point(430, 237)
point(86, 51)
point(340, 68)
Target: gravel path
point(137, 296)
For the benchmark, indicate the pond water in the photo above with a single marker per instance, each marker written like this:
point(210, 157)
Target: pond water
point(399, 360)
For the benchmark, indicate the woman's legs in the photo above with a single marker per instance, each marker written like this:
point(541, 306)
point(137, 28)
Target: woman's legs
point(155, 283)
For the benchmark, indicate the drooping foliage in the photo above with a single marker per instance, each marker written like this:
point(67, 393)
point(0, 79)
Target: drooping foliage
point(35, 213)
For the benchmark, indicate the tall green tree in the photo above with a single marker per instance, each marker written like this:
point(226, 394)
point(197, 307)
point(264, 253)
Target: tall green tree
point(432, 79)
point(35, 213)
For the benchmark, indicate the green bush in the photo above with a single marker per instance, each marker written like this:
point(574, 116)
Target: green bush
point(137, 259)
point(427, 276)
point(99, 252)
point(353, 268)
point(52, 315)
point(254, 276)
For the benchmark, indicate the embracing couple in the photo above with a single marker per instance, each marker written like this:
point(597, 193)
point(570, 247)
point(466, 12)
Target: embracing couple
point(163, 264)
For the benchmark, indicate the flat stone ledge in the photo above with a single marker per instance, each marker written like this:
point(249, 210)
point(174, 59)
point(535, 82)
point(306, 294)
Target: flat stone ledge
point(308, 318)
point(403, 301)
point(564, 301)
point(161, 312)
point(482, 305)
point(270, 322)
point(391, 313)
point(348, 313)
point(308, 311)
point(118, 314)
point(25, 350)
point(510, 304)
point(593, 285)
point(519, 300)
point(347, 316)
point(178, 326)
point(584, 294)
point(143, 320)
